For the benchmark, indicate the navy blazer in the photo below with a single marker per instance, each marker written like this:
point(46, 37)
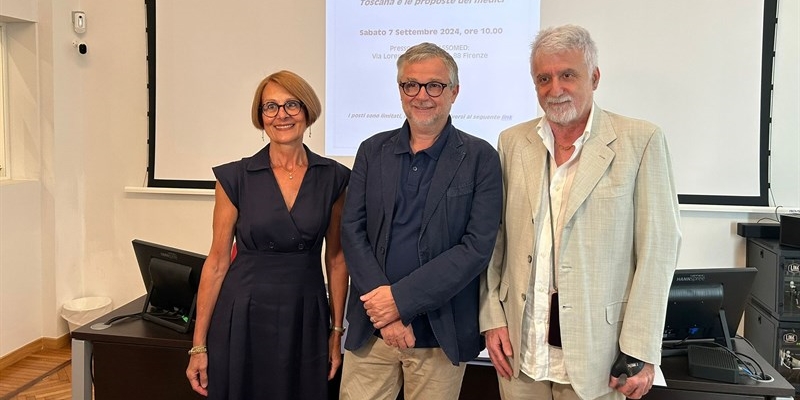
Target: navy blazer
point(459, 227)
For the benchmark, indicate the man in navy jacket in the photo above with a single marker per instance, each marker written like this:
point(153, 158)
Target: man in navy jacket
point(419, 225)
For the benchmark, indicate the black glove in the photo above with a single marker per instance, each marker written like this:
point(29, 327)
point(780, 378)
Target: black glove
point(624, 367)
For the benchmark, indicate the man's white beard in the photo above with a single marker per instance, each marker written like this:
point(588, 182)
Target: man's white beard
point(560, 113)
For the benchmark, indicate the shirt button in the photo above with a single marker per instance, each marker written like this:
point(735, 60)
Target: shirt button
point(530, 259)
point(414, 168)
point(524, 297)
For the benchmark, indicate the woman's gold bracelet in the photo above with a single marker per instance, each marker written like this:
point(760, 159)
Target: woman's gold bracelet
point(339, 329)
point(197, 350)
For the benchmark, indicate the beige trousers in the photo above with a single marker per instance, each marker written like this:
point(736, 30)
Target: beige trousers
point(523, 387)
point(376, 371)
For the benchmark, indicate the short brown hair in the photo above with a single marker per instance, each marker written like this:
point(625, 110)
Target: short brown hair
point(297, 87)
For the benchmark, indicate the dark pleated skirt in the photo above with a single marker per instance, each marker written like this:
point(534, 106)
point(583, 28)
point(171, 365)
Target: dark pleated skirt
point(268, 337)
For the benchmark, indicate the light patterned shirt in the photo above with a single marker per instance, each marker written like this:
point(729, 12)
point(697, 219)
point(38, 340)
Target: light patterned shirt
point(539, 360)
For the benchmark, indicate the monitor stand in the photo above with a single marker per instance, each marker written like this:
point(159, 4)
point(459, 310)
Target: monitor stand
point(169, 277)
point(727, 335)
point(726, 340)
point(166, 318)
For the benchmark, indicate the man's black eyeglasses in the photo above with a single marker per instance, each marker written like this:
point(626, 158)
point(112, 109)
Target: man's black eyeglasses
point(434, 89)
point(291, 107)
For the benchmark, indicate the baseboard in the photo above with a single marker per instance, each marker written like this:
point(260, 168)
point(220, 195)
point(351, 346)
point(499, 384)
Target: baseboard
point(56, 343)
point(33, 347)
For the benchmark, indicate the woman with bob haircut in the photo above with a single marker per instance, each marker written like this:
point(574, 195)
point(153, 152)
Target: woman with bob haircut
point(266, 328)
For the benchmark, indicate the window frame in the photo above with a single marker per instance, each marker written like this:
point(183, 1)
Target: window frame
point(5, 171)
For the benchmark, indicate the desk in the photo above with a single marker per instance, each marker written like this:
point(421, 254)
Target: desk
point(133, 359)
point(136, 359)
point(680, 386)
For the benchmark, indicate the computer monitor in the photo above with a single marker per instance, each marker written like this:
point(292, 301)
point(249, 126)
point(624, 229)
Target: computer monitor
point(705, 306)
point(171, 277)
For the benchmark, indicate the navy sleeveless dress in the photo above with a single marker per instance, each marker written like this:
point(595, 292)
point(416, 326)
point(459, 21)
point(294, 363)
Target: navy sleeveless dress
point(268, 337)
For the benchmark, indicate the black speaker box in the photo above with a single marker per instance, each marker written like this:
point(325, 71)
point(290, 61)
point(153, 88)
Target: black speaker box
point(790, 230)
point(714, 363)
point(758, 230)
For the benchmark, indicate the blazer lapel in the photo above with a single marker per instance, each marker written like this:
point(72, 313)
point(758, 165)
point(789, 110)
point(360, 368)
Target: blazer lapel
point(390, 169)
point(595, 159)
point(446, 168)
point(534, 156)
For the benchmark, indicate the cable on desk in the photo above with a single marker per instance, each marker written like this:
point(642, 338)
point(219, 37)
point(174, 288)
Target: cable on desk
point(119, 317)
point(105, 325)
point(751, 369)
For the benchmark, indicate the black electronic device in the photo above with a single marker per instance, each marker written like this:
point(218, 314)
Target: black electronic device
point(171, 277)
point(625, 366)
point(777, 284)
point(790, 230)
point(758, 230)
point(772, 316)
point(705, 305)
point(714, 363)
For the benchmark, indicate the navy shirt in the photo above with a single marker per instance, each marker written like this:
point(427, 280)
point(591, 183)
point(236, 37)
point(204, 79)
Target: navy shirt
point(402, 257)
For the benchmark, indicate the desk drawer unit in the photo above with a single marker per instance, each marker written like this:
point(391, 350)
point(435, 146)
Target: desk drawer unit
point(137, 372)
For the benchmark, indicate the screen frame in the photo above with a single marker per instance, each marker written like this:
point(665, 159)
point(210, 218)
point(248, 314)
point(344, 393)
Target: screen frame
point(769, 24)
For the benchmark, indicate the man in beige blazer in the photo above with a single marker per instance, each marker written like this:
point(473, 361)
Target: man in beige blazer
point(604, 261)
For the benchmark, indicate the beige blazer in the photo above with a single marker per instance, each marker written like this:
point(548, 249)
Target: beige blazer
point(618, 251)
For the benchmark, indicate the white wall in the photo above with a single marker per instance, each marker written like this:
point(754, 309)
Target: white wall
point(20, 265)
point(66, 223)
